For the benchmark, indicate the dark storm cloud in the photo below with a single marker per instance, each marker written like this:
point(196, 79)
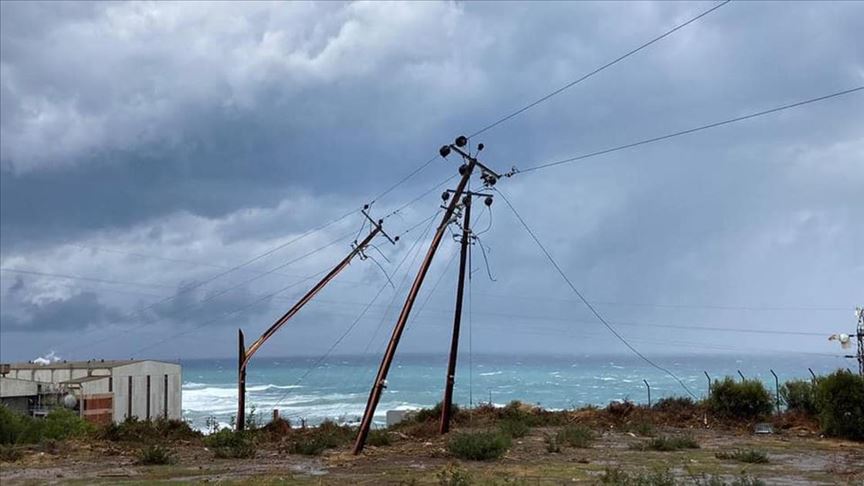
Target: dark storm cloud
point(210, 133)
point(78, 311)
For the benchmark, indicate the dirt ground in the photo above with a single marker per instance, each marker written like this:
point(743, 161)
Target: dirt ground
point(794, 458)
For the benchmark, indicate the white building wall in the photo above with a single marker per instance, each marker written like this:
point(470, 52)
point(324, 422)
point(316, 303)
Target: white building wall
point(138, 373)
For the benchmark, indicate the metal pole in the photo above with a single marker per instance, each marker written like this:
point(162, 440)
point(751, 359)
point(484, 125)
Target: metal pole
point(381, 377)
point(776, 389)
point(860, 335)
point(241, 382)
point(649, 392)
point(446, 405)
point(812, 374)
point(246, 354)
point(741, 375)
point(709, 381)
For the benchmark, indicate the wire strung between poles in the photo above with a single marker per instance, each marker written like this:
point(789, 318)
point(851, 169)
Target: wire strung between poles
point(601, 68)
point(585, 301)
point(647, 141)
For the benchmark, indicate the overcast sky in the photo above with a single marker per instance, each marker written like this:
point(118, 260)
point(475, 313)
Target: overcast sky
point(150, 147)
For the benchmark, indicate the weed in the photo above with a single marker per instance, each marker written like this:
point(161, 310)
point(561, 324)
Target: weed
point(645, 429)
point(552, 445)
point(576, 436)
point(379, 438)
point(750, 455)
point(478, 446)
point(743, 480)
point(799, 395)
point(621, 478)
point(9, 453)
point(228, 443)
point(453, 475)
point(667, 444)
point(155, 455)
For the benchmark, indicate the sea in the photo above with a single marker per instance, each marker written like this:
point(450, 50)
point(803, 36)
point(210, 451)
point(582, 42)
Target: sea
point(309, 390)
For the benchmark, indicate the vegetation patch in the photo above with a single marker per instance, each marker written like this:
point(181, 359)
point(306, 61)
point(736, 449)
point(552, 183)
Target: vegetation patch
point(840, 402)
point(228, 443)
point(155, 455)
point(60, 424)
point(148, 431)
point(751, 456)
point(799, 395)
point(312, 441)
point(619, 477)
point(514, 428)
point(747, 399)
point(552, 445)
point(576, 436)
point(9, 453)
point(667, 444)
point(453, 475)
point(379, 438)
point(478, 446)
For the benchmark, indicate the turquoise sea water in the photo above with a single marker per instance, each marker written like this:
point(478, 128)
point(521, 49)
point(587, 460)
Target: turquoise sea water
point(338, 387)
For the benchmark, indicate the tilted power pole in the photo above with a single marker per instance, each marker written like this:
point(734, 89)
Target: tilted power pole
point(246, 354)
point(465, 170)
point(467, 239)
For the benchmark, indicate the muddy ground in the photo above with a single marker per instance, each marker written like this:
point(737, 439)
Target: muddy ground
point(795, 457)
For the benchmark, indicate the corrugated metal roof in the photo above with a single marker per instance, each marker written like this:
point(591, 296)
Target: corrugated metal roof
point(61, 365)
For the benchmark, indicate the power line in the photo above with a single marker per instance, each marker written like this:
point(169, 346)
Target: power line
point(585, 301)
point(403, 180)
point(688, 131)
point(601, 68)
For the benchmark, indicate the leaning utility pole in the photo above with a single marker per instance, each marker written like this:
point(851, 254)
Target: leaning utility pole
point(467, 239)
point(465, 170)
point(859, 313)
point(246, 354)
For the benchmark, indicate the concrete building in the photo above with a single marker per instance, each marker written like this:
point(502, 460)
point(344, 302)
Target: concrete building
point(105, 391)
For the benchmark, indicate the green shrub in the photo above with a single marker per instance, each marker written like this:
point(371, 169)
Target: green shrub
point(434, 413)
point(840, 401)
point(12, 425)
point(478, 446)
point(229, 443)
point(576, 436)
point(134, 430)
point(747, 399)
point(314, 440)
point(379, 438)
point(155, 455)
point(645, 429)
point(675, 405)
point(751, 456)
point(514, 428)
point(59, 424)
point(307, 446)
point(799, 395)
point(743, 480)
point(668, 444)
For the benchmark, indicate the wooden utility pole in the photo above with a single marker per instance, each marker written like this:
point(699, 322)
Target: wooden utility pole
point(465, 170)
point(246, 354)
point(447, 403)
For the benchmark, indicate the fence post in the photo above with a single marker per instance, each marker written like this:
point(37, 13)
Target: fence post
point(776, 389)
point(649, 392)
point(709, 381)
point(812, 374)
point(741, 375)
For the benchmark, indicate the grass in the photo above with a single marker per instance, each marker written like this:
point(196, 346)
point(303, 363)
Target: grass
point(155, 455)
point(379, 438)
point(228, 443)
point(751, 456)
point(9, 453)
point(478, 446)
point(576, 436)
point(514, 428)
point(552, 445)
point(667, 444)
point(619, 477)
point(644, 429)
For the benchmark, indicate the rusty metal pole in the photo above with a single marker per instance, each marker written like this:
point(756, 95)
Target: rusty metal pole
point(246, 354)
point(447, 404)
point(381, 377)
point(241, 383)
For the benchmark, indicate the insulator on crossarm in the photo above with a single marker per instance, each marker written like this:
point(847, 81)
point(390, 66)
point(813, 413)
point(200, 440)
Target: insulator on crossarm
point(445, 195)
point(462, 169)
point(461, 141)
point(488, 201)
point(444, 151)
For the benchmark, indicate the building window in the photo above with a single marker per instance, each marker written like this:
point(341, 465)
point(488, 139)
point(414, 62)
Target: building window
point(165, 397)
point(148, 397)
point(110, 384)
point(129, 400)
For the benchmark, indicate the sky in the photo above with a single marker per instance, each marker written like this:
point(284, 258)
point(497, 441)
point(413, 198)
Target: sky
point(149, 151)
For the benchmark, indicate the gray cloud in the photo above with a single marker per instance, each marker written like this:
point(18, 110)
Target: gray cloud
point(207, 134)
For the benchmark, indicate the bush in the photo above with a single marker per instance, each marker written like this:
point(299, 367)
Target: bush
point(747, 399)
point(668, 444)
point(478, 446)
point(840, 401)
point(313, 441)
point(134, 430)
point(155, 455)
point(12, 425)
point(799, 395)
point(379, 438)
point(750, 456)
point(434, 413)
point(645, 429)
point(229, 443)
point(514, 428)
point(453, 475)
point(675, 405)
point(552, 445)
point(620, 478)
point(576, 436)
point(307, 446)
